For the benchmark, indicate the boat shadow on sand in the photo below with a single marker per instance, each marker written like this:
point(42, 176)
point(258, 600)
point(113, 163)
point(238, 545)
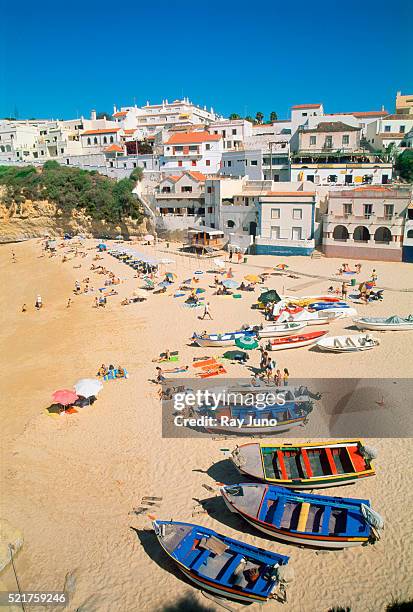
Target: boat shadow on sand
point(223, 471)
point(152, 548)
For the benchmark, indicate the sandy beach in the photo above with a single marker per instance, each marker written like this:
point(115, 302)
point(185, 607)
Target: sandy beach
point(71, 483)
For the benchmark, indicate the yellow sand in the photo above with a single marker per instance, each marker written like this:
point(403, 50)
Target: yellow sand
point(70, 483)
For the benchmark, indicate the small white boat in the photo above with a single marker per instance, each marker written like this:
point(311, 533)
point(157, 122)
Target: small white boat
point(348, 344)
point(394, 323)
point(227, 339)
point(319, 317)
point(276, 330)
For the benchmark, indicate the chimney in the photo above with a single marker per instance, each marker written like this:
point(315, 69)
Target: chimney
point(115, 110)
point(93, 115)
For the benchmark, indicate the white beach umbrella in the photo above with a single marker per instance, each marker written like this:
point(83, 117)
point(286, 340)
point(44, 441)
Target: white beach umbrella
point(148, 237)
point(219, 263)
point(86, 387)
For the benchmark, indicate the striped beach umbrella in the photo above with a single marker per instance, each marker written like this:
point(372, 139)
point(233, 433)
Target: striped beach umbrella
point(247, 343)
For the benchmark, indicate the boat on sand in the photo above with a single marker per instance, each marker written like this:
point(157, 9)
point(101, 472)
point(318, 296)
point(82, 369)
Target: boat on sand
point(277, 344)
point(393, 323)
point(305, 466)
point(348, 344)
point(224, 566)
point(305, 518)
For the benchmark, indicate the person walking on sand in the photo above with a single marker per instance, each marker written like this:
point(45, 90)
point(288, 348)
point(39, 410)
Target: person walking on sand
point(358, 268)
point(230, 256)
point(24, 308)
point(374, 276)
point(69, 302)
point(278, 378)
point(38, 304)
point(286, 376)
point(344, 291)
point(206, 311)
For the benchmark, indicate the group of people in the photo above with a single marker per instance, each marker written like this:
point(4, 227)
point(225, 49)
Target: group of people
point(269, 370)
point(118, 372)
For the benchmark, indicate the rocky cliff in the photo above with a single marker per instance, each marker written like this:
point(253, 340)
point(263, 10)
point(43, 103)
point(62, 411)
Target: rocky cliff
point(32, 219)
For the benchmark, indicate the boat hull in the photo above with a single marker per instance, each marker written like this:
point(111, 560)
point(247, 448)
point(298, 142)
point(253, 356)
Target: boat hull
point(273, 332)
point(296, 539)
point(383, 326)
point(290, 345)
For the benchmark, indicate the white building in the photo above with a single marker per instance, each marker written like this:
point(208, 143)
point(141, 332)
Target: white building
point(96, 140)
point(265, 217)
point(199, 151)
point(389, 130)
point(180, 201)
point(366, 223)
point(233, 132)
point(152, 118)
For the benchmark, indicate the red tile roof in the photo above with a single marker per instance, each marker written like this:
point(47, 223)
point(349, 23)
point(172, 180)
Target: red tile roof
point(130, 131)
point(198, 176)
point(105, 131)
point(114, 149)
point(297, 106)
point(369, 114)
point(120, 114)
point(372, 188)
point(193, 138)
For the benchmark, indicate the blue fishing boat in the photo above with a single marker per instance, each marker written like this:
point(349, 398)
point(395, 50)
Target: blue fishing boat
point(219, 564)
point(251, 420)
point(305, 518)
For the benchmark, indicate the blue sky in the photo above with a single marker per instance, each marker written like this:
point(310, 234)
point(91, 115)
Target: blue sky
point(60, 59)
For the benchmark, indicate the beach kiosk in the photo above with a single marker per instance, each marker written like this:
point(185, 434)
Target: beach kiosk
point(204, 239)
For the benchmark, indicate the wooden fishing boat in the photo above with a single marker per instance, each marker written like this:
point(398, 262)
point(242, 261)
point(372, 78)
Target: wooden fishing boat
point(348, 344)
point(305, 466)
point(277, 344)
point(252, 420)
point(227, 567)
point(226, 339)
point(276, 330)
point(304, 518)
point(394, 323)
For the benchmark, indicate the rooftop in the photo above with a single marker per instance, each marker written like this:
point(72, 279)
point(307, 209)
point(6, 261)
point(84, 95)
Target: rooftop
point(331, 126)
point(114, 149)
point(193, 138)
point(120, 114)
point(398, 117)
point(103, 131)
point(299, 106)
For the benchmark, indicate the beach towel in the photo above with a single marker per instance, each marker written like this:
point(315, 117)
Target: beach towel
point(212, 372)
point(205, 363)
point(237, 296)
point(112, 375)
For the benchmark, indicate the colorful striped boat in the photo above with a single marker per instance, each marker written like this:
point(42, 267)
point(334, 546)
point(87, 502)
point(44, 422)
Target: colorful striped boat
point(304, 518)
point(305, 466)
point(226, 567)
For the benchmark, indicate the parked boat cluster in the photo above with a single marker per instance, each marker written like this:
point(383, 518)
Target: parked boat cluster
point(276, 505)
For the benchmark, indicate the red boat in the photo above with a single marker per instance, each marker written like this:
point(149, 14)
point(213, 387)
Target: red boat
point(277, 344)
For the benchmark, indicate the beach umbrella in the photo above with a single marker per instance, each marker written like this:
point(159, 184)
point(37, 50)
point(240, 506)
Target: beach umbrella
point(247, 342)
point(148, 237)
point(281, 266)
point(170, 275)
point(164, 284)
point(86, 387)
point(119, 237)
point(269, 296)
point(230, 284)
point(198, 273)
point(219, 263)
point(148, 281)
point(64, 397)
point(199, 290)
point(252, 278)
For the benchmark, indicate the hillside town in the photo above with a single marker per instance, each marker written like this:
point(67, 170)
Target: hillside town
point(313, 182)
